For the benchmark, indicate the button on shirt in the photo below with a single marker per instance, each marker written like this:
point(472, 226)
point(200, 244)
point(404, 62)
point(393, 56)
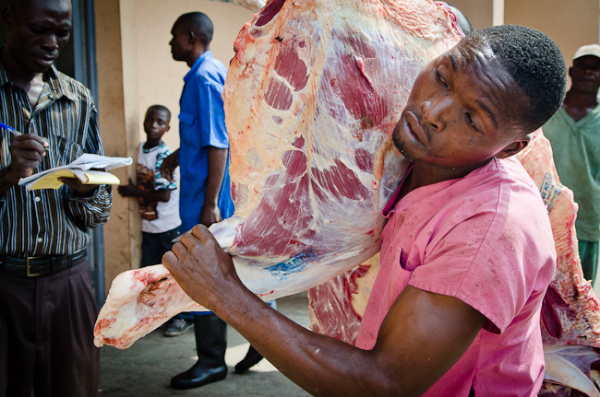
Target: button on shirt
point(201, 126)
point(49, 221)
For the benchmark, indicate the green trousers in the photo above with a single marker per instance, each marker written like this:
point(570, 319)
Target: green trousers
point(588, 253)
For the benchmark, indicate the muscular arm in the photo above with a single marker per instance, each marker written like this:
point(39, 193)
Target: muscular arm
point(217, 161)
point(422, 336)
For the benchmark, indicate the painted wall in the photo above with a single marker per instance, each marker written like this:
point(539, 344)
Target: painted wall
point(479, 12)
point(136, 70)
point(570, 24)
point(160, 77)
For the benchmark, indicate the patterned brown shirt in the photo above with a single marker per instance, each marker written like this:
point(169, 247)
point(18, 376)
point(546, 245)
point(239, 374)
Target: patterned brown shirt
point(50, 222)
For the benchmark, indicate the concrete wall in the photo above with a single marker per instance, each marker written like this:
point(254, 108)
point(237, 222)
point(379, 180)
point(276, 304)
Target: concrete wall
point(570, 24)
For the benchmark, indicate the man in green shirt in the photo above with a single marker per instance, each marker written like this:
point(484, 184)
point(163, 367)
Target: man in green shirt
point(574, 132)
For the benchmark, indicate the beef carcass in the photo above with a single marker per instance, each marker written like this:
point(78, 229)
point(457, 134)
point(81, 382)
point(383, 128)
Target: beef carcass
point(570, 312)
point(311, 98)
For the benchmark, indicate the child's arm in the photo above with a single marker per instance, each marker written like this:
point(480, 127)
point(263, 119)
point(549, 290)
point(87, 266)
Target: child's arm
point(132, 190)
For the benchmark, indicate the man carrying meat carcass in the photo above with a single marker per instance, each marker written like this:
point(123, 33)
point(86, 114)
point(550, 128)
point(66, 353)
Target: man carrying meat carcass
point(466, 255)
point(574, 133)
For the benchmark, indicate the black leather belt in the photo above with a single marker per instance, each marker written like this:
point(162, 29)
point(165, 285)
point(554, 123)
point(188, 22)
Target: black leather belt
point(35, 266)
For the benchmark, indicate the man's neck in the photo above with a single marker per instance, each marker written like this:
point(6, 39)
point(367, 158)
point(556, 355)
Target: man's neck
point(195, 55)
point(423, 174)
point(578, 104)
point(32, 83)
point(16, 72)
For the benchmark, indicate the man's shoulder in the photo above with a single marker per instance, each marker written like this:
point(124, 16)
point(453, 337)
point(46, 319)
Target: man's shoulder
point(514, 174)
point(69, 86)
point(495, 188)
point(212, 71)
point(595, 113)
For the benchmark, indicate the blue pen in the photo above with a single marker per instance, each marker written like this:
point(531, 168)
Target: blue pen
point(15, 132)
point(9, 128)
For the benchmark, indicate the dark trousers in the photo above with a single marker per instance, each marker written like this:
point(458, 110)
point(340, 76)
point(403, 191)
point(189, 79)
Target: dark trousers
point(155, 245)
point(46, 335)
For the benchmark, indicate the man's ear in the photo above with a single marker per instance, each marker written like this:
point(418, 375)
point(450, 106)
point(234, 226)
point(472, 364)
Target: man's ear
point(515, 147)
point(8, 17)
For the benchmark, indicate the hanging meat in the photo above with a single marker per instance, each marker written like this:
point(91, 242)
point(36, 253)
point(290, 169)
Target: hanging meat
point(311, 98)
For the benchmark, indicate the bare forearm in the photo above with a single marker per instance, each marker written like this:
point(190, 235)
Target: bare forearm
point(155, 195)
point(321, 365)
point(217, 161)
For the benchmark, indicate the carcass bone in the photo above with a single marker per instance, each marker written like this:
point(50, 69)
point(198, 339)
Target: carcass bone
point(311, 99)
point(139, 302)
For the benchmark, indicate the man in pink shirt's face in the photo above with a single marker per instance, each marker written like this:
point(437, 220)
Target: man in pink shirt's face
point(474, 103)
point(461, 113)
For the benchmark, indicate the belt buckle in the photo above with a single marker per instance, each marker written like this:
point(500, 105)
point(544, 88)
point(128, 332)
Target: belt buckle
point(29, 274)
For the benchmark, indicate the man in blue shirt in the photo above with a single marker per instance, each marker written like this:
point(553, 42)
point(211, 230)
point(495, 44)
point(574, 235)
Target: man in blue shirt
point(205, 192)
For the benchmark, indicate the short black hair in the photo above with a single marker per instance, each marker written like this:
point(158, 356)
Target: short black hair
point(535, 63)
point(14, 4)
point(161, 108)
point(18, 5)
point(200, 24)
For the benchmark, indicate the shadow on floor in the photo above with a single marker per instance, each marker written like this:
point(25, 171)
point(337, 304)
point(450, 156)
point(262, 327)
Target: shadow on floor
point(146, 368)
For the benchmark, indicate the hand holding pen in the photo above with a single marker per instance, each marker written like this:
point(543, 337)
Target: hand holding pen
point(26, 153)
point(17, 133)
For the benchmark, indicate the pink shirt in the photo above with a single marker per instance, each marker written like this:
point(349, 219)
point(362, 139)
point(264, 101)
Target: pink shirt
point(486, 240)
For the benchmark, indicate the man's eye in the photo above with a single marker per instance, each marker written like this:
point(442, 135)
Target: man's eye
point(38, 30)
point(441, 79)
point(470, 121)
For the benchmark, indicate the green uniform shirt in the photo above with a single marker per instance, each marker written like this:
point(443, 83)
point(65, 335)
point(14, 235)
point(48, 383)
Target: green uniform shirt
point(576, 148)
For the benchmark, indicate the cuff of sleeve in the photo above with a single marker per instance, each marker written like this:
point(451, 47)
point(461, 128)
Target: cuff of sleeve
point(91, 195)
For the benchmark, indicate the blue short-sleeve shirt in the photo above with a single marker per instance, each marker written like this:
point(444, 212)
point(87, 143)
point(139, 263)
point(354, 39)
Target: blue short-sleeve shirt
point(201, 126)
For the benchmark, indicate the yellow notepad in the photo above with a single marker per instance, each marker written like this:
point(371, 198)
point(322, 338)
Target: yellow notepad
point(50, 181)
point(88, 168)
